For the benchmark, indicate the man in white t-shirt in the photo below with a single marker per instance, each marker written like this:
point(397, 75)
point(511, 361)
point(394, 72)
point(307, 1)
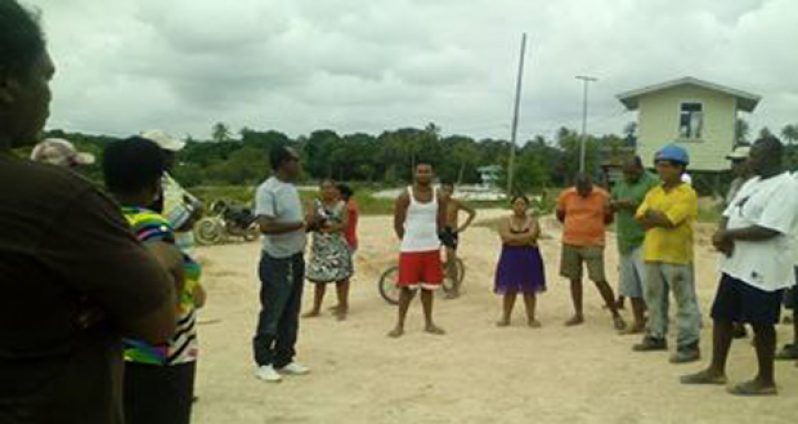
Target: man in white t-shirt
point(755, 237)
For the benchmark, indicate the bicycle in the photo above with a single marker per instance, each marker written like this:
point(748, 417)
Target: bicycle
point(390, 291)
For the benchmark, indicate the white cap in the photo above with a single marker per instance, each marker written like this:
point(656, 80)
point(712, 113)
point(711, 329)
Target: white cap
point(164, 140)
point(739, 153)
point(60, 152)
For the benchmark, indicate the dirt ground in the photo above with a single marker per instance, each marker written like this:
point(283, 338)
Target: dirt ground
point(477, 373)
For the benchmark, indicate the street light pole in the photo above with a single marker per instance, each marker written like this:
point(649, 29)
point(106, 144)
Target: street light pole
point(585, 80)
point(517, 106)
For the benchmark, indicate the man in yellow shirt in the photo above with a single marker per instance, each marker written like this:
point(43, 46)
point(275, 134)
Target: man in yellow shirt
point(668, 213)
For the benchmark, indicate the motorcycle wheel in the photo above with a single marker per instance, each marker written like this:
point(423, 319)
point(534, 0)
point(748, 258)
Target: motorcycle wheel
point(207, 232)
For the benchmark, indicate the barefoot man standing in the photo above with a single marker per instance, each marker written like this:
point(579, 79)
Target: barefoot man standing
point(419, 215)
point(450, 236)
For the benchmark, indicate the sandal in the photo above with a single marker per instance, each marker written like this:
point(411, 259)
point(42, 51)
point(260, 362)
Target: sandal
point(703, 378)
point(752, 388)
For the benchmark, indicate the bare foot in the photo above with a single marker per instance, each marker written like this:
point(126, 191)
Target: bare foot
point(396, 333)
point(503, 323)
point(434, 329)
point(340, 314)
point(452, 295)
point(576, 320)
point(534, 323)
point(311, 314)
point(618, 323)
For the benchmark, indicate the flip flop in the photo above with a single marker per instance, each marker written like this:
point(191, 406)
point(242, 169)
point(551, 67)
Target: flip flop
point(703, 378)
point(750, 388)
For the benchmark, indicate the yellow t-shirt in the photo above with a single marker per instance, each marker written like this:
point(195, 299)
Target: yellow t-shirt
point(670, 245)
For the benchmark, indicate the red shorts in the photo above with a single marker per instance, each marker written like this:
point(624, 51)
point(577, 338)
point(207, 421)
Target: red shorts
point(420, 269)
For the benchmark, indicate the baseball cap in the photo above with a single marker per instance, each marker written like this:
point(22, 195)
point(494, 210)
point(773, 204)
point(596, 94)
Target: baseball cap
point(673, 153)
point(739, 153)
point(60, 152)
point(164, 140)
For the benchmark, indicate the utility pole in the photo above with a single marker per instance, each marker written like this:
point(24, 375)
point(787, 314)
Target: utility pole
point(514, 134)
point(585, 80)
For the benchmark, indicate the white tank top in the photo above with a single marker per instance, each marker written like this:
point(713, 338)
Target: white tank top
point(421, 225)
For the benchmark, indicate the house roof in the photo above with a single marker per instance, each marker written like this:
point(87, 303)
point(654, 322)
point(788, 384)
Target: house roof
point(745, 101)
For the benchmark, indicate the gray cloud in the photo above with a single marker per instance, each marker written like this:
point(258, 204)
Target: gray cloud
point(369, 65)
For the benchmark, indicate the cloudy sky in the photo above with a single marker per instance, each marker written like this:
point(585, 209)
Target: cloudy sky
point(370, 65)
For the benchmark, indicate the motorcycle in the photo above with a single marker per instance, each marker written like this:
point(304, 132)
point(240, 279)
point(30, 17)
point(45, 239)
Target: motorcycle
point(225, 222)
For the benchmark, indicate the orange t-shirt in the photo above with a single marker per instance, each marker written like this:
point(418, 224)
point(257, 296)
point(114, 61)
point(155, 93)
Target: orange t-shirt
point(584, 217)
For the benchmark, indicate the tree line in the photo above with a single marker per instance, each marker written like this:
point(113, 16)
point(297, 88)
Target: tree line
point(388, 158)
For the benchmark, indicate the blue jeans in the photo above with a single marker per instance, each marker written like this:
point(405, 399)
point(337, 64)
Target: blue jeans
point(280, 298)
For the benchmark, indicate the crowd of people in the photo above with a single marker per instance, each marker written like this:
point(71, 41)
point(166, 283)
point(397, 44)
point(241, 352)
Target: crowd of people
point(116, 285)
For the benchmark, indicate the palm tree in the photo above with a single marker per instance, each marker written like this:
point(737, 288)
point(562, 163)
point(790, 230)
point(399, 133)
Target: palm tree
point(790, 133)
point(220, 132)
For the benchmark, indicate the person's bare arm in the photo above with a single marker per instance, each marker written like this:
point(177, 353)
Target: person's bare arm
point(155, 327)
point(443, 204)
point(506, 235)
point(270, 226)
point(400, 214)
point(171, 259)
point(471, 215)
point(752, 233)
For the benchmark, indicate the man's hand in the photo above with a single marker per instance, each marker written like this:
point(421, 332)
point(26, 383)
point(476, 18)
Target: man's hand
point(723, 243)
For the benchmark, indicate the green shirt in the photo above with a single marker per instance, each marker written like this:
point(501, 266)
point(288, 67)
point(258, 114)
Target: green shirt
point(630, 233)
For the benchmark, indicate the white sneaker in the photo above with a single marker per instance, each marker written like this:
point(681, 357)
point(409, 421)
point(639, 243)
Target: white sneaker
point(294, 368)
point(267, 373)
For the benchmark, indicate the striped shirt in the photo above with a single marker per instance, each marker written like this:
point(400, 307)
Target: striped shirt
point(149, 226)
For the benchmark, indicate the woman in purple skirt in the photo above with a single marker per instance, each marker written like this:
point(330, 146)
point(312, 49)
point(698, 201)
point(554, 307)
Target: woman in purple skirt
point(520, 268)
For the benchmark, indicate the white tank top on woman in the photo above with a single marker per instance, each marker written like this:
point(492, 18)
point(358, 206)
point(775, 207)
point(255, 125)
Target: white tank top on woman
point(421, 225)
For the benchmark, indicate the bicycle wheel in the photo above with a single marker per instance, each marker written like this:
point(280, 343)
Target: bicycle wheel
point(387, 285)
point(449, 285)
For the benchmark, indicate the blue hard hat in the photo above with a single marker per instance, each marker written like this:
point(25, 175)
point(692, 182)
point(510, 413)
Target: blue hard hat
point(673, 153)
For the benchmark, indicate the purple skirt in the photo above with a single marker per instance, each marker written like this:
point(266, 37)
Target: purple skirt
point(520, 270)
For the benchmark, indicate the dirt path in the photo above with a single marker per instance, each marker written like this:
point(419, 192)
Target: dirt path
point(475, 374)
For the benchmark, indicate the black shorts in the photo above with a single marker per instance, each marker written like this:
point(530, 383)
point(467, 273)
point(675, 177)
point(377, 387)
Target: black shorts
point(449, 237)
point(791, 295)
point(737, 301)
point(159, 394)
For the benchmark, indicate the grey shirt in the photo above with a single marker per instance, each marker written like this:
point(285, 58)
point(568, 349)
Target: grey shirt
point(280, 201)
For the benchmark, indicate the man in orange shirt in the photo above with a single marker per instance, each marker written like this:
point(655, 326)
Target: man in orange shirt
point(584, 211)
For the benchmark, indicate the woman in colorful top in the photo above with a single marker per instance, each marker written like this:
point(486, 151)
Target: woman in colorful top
point(520, 267)
point(330, 257)
point(159, 380)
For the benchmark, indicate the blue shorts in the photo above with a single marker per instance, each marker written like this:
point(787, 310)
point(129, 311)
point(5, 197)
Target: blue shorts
point(737, 301)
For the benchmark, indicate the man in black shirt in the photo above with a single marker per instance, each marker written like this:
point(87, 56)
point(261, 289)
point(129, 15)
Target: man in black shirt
point(72, 276)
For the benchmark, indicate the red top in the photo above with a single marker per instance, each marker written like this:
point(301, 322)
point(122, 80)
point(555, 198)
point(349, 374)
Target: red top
point(350, 233)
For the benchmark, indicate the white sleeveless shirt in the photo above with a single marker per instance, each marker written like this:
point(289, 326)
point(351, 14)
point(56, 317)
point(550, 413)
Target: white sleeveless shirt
point(421, 225)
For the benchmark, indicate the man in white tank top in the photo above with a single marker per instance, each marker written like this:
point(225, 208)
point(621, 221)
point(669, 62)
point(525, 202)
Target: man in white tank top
point(419, 215)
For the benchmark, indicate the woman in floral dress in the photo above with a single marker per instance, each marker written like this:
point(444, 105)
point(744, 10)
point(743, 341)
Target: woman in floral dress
point(330, 256)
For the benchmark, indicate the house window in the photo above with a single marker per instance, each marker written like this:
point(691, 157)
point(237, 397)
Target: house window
point(691, 120)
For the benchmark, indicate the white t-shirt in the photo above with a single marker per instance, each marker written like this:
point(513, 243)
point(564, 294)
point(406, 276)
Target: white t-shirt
point(280, 201)
point(770, 203)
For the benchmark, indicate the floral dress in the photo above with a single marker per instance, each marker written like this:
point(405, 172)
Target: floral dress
point(330, 256)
